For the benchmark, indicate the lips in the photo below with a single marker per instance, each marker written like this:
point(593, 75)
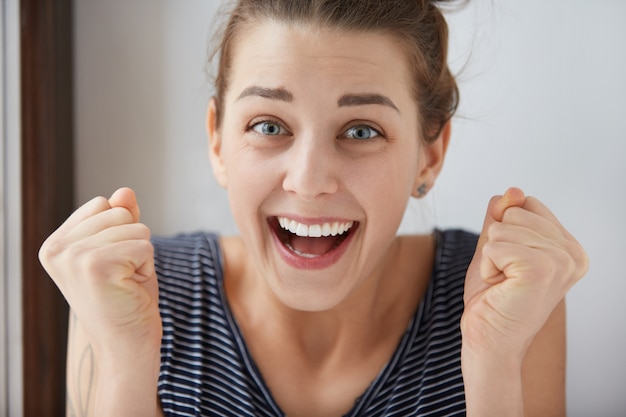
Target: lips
point(311, 245)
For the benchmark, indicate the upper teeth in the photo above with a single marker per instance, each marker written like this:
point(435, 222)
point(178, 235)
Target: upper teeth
point(315, 230)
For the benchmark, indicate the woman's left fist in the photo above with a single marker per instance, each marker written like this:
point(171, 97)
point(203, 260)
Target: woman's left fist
point(525, 262)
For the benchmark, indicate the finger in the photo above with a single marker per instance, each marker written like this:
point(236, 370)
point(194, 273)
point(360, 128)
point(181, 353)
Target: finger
point(53, 245)
point(567, 257)
point(554, 268)
point(123, 209)
point(518, 234)
point(112, 217)
point(498, 205)
point(135, 256)
point(510, 260)
point(570, 243)
point(110, 235)
point(119, 261)
point(554, 257)
point(535, 206)
point(125, 197)
point(92, 207)
point(513, 197)
point(520, 216)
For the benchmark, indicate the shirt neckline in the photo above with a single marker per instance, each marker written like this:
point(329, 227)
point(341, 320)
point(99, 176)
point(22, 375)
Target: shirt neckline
point(362, 402)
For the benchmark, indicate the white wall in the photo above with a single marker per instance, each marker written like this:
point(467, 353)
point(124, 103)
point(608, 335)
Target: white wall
point(542, 108)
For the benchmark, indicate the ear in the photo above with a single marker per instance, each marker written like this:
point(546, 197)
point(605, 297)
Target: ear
point(215, 144)
point(431, 162)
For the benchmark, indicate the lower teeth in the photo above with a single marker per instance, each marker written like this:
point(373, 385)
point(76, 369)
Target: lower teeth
point(302, 254)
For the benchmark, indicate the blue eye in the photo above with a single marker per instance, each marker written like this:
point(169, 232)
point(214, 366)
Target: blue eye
point(361, 132)
point(269, 129)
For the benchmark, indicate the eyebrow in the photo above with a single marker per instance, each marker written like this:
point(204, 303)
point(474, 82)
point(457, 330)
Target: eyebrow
point(282, 94)
point(271, 93)
point(364, 99)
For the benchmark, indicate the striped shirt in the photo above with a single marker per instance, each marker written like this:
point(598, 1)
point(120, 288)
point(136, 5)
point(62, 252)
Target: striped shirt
point(207, 370)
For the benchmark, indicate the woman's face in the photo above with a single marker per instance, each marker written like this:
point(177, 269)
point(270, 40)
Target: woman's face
point(319, 150)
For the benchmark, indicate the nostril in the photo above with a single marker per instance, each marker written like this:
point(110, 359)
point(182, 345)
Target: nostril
point(310, 185)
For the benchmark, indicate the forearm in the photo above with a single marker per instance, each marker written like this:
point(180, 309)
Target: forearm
point(99, 384)
point(127, 387)
point(493, 388)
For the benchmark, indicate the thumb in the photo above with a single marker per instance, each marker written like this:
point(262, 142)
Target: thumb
point(125, 197)
point(513, 197)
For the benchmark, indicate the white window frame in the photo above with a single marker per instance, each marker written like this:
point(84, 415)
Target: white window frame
point(11, 347)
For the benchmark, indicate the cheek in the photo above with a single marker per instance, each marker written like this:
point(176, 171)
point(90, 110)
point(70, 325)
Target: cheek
point(390, 179)
point(250, 182)
point(396, 184)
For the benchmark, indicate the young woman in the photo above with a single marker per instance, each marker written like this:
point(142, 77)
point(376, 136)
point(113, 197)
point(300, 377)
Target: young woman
point(328, 116)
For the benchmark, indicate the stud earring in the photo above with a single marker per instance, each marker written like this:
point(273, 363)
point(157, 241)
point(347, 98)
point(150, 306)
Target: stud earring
point(421, 190)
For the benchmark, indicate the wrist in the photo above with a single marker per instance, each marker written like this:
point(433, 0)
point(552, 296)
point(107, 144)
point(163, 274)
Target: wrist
point(493, 385)
point(127, 386)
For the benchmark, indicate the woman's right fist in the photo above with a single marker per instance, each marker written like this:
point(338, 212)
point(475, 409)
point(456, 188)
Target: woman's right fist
point(102, 260)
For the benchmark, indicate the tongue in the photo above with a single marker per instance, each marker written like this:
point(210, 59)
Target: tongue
point(313, 245)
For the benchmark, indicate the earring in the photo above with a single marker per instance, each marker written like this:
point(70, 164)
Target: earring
point(421, 190)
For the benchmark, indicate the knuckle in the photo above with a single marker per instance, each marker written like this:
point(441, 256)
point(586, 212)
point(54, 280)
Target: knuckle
point(89, 264)
point(144, 246)
point(579, 257)
point(511, 215)
point(96, 205)
point(51, 251)
point(149, 248)
point(493, 200)
point(494, 230)
point(47, 251)
point(100, 201)
point(143, 231)
point(532, 200)
point(564, 266)
point(121, 215)
point(488, 251)
point(75, 255)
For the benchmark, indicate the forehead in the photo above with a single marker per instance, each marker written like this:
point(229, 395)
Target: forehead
point(274, 54)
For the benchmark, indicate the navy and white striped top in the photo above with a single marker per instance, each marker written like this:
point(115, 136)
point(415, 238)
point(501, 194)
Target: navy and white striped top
point(206, 369)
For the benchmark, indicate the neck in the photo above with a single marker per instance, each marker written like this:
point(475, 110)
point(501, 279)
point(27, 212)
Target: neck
point(379, 309)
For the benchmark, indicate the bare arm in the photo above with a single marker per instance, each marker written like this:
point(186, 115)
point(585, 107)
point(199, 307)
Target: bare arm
point(534, 388)
point(95, 390)
point(81, 372)
point(543, 369)
point(513, 326)
point(102, 260)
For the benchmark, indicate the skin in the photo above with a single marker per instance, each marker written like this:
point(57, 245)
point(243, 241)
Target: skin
point(312, 170)
point(332, 328)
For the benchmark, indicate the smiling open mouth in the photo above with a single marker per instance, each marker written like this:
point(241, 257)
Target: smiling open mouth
point(313, 240)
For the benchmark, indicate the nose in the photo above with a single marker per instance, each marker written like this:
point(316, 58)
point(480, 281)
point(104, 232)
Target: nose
point(311, 168)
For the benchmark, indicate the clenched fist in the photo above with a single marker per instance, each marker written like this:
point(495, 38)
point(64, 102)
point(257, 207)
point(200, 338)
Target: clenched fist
point(524, 264)
point(101, 259)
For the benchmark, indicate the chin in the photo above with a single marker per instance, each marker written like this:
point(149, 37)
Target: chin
point(310, 292)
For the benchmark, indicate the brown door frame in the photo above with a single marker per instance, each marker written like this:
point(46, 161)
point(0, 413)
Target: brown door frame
point(47, 193)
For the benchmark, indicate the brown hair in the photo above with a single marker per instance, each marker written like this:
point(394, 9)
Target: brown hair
point(418, 24)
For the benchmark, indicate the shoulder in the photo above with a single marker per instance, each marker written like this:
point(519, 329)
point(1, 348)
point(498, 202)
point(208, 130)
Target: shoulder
point(186, 248)
point(455, 249)
point(187, 262)
point(184, 242)
point(456, 239)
